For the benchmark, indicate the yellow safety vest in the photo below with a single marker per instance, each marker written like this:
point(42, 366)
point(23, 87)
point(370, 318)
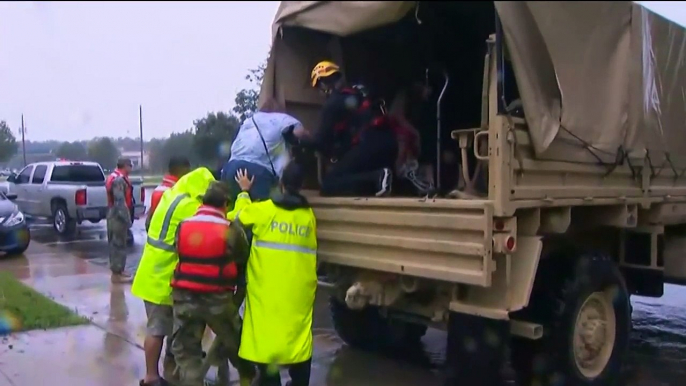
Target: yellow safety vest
point(159, 259)
point(281, 282)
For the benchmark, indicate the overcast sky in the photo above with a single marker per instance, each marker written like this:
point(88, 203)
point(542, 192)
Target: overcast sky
point(79, 70)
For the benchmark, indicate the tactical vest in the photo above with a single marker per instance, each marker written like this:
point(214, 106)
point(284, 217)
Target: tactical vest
point(167, 183)
point(205, 265)
point(129, 189)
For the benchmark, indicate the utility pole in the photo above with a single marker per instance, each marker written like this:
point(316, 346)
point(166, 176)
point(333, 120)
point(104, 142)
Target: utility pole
point(140, 126)
point(23, 139)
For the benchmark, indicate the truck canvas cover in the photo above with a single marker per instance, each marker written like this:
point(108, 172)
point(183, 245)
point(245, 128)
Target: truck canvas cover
point(607, 76)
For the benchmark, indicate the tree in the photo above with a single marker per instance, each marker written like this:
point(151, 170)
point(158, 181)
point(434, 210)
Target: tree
point(213, 136)
point(178, 144)
point(103, 151)
point(8, 144)
point(246, 99)
point(75, 151)
point(156, 160)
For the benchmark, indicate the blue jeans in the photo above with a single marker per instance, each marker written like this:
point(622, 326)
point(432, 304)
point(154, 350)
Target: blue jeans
point(260, 190)
point(261, 187)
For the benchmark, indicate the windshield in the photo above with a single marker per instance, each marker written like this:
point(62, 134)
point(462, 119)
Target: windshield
point(77, 173)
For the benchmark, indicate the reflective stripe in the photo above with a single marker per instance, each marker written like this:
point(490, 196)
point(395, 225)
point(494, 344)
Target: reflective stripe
point(162, 188)
point(209, 218)
point(159, 242)
point(285, 247)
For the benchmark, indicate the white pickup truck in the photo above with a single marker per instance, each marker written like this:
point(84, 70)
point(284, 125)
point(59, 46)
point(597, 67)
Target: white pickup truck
point(66, 192)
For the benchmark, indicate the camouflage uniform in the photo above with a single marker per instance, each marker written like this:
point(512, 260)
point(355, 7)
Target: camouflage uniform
point(192, 312)
point(118, 224)
point(219, 311)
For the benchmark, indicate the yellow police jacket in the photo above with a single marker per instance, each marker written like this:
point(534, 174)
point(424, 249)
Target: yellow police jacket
point(281, 279)
point(151, 282)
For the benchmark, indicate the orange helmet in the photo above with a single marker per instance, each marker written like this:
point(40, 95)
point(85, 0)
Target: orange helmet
point(322, 70)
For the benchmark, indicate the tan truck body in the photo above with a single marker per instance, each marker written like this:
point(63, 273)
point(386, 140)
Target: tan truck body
point(480, 256)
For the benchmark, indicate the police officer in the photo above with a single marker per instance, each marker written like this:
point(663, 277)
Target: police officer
point(209, 248)
point(120, 207)
point(177, 168)
point(281, 277)
point(159, 259)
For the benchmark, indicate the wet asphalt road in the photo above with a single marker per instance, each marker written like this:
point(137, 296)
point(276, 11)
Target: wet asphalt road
point(657, 355)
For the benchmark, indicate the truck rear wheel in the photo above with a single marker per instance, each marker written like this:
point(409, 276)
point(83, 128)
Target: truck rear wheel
point(587, 322)
point(61, 222)
point(367, 329)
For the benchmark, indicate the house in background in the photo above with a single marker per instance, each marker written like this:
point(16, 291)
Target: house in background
point(135, 157)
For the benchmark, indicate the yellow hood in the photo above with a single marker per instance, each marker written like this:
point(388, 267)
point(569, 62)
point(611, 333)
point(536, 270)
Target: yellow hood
point(195, 183)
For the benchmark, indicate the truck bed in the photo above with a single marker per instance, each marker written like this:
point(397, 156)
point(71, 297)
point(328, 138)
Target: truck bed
point(440, 239)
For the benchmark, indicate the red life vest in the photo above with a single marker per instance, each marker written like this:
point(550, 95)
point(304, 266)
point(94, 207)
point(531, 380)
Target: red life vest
point(377, 120)
point(167, 182)
point(129, 188)
point(204, 265)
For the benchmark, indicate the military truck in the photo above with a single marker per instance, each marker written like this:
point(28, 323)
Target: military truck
point(574, 114)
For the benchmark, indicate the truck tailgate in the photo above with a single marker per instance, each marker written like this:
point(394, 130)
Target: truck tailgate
point(96, 196)
point(447, 240)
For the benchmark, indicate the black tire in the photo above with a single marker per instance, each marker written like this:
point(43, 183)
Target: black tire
point(367, 329)
point(563, 284)
point(69, 226)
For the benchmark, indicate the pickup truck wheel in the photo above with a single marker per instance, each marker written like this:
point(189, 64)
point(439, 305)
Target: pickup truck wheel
point(587, 322)
point(367, 329)
point(61, 221)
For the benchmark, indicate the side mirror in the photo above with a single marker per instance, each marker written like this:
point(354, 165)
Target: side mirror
point(12, 178)
point(11, 196)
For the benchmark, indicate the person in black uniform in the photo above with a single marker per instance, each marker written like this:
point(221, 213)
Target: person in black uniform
point(355, 135)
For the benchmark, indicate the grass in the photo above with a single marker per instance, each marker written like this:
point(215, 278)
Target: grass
point(23, 309)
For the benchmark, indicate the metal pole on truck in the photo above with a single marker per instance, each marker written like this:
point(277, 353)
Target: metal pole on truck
point(140, 126)
point(23, 139)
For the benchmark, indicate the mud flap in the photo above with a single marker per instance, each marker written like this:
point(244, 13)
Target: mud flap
point(476, 352)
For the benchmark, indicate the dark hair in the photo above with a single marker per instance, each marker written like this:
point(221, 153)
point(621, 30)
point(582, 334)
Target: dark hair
point(176, 163)
point(217, 195)
point(121, 162)
point(292, 178)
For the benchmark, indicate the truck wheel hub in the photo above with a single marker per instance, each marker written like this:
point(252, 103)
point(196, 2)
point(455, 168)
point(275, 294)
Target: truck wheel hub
point(60, 220)
point(594, 334)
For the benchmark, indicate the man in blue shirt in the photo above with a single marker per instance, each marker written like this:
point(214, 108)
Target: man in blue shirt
point(261, 147)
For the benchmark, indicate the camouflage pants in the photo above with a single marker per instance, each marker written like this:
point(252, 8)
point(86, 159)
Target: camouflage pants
point(117, 232)
point(192, 312)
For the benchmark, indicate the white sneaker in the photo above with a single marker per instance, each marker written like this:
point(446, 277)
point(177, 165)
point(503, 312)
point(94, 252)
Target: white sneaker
point(385, 183)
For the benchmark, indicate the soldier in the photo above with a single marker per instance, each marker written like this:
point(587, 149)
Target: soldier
point(158, 262)
point(120, 203)
point(209, 249)
point(177, 168)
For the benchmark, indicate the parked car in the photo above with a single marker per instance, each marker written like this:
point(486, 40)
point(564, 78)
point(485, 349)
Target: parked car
point(15, 236)
point(66, 192)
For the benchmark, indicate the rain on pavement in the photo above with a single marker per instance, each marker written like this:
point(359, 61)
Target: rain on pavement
point(657, 354)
